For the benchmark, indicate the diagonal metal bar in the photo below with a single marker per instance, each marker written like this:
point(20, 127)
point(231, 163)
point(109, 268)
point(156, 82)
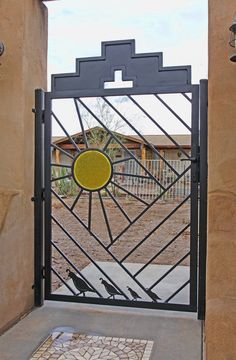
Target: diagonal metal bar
point(118, 205)
point(155, 228)
point(122, 145)
point(150, 205)
point(177, 117)
point(61, 177)
point(104, 247)
point(133, 175)
point(130, 193)
point(105, 217)
point(85, 252)
point(161, 128)
point(76, 199)
point(162, 249)
point(62, 150)
point(63, 281)
point(90, 210)
point(81, 124)
point(122, 160)
point(107, 143)
point(177, 291)
point(139, 134)
point(74, 267)
point(187, 97)
point(62, 165)
point(169, 271)
point(65, 131)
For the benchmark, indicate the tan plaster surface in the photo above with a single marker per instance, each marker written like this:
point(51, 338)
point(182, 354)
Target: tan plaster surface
point(23, 29)
point(221, 261)
point(5, 201)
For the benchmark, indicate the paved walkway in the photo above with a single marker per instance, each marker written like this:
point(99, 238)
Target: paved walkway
point(176, 336)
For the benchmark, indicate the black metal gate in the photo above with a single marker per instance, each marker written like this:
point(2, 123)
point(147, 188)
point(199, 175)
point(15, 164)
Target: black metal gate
point(116, 217)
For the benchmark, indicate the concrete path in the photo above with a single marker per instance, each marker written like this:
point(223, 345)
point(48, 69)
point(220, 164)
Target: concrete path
point(176, 336)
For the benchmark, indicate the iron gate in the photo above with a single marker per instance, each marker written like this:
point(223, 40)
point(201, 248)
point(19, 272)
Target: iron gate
point(96, 240)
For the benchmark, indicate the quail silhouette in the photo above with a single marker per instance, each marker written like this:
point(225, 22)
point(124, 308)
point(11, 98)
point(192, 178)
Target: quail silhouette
point(79, 283)
point(112, 291)
point(153, 295)
point(133, 293)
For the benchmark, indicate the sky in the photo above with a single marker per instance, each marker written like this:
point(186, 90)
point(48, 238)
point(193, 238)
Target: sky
point(178, 28)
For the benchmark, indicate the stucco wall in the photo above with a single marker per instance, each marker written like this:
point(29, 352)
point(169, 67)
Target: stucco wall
point(23, 29)
point(221, 263)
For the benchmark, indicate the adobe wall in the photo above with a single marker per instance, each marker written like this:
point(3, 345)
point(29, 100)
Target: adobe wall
point(221, 263)
point(23, 29)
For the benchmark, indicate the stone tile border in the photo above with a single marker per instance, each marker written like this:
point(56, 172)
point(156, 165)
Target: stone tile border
point(62, 345)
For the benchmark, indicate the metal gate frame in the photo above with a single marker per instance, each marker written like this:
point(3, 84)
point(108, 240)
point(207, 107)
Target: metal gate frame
point(164, 80)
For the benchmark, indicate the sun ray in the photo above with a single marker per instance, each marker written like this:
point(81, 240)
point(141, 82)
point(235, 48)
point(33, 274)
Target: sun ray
point(105, 217)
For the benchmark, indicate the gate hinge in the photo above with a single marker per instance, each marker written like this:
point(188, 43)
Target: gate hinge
point(42, 114)
point(33, 198)
point(43, 272)
point(43, 194)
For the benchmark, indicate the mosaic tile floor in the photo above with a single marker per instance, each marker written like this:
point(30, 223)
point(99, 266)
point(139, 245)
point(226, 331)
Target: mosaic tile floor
point(75, 346)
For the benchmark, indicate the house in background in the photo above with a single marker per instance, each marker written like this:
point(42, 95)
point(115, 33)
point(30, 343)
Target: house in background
point(97, 138)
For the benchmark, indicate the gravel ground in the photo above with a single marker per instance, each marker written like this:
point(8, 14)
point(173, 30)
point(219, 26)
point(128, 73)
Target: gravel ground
point(134, 234)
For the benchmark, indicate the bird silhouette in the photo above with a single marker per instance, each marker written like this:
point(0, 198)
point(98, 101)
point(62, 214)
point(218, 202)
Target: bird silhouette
point(153, 295)
point(133, 293)
point(112, 291)
point(79, 283)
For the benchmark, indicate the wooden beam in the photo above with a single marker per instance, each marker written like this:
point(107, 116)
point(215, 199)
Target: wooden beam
point(57, 156)
point(143, 152)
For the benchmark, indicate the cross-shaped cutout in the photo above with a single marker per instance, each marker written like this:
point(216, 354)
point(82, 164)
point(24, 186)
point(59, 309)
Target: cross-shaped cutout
point(118, 82)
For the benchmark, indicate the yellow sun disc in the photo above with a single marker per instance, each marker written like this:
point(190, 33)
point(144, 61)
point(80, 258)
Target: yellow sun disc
point(92, 170)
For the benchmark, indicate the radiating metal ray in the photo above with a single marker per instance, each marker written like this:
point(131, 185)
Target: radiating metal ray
point(118, 205)
point(61, 177)
point(105, 217)
point(81, 124)
point(132, 175)
point(61, 165)
point(65, 131)
point(76, 199)
point(130, 193)
point(107, 143)
point(62, 150)
point(90, 210)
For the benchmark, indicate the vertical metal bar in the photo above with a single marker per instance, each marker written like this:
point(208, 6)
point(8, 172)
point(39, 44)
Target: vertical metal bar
point(194, 197)
point(203, 200)
point(90, 210)
point(47, 210)
point(38, 198)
